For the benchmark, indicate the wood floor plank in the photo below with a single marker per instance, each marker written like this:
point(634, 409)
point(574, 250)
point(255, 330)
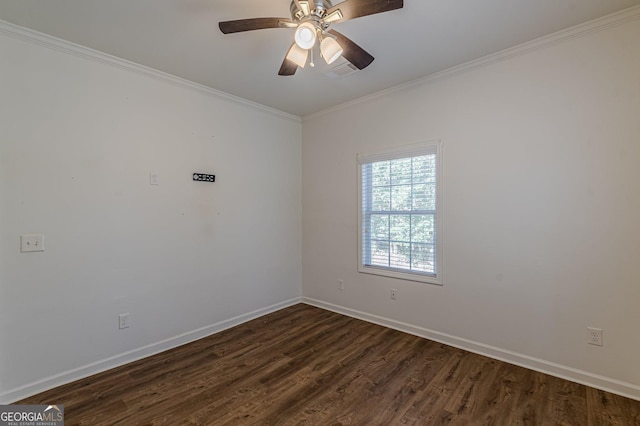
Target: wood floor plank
point(307, 366)
point(604, 408)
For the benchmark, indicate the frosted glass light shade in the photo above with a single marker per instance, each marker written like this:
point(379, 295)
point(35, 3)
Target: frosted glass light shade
point(306, 35)
point(330, 49)
point(298, 55)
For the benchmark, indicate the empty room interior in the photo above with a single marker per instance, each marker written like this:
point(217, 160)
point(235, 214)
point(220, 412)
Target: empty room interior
point(357, 212)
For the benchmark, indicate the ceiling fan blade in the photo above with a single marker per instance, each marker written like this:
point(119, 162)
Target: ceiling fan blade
point(352, 52)
point(287, 68)
point(240, 25)
point(351, 9)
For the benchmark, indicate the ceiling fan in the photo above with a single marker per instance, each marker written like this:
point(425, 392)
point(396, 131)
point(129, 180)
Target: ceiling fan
point(312, 19)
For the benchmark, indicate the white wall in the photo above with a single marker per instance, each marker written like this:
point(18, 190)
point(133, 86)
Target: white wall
point(78, 139)
point(541, 207)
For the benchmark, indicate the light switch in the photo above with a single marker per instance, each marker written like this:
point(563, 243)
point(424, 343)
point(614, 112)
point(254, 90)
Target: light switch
point(31, 242)
point(154, 179)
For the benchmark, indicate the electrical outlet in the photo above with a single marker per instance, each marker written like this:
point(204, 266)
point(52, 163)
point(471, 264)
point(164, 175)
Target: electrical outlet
point(594, 336)
point(124, 321)
point(340, 284)
point(394, 294)
point(31, 242)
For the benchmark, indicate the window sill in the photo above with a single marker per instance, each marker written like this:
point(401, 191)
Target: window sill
point(429, 279)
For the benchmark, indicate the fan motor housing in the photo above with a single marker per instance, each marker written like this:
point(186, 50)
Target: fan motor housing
point(321, 7)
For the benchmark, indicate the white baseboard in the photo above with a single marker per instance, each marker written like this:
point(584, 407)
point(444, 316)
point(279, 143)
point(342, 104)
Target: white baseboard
point(136, 354)
point(618, 387)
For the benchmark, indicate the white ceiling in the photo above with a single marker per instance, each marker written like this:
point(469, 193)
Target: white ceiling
point(181, 37)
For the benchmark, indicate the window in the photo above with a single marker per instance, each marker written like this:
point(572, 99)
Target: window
point(400, 229)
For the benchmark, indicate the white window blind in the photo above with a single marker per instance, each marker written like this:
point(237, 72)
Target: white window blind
point(399, 213)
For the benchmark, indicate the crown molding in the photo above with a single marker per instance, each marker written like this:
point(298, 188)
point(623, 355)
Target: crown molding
point(596, 25)
point(83, 52)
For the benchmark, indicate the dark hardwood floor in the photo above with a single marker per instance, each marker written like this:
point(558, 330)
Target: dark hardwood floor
point(304, 365)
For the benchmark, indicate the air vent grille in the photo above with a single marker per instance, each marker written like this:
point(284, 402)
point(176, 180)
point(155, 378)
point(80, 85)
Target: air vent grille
point(342, 70)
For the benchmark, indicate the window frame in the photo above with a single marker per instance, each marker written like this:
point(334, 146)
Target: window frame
point(401, 152)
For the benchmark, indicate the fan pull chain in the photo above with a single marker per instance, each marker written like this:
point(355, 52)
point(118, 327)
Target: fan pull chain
point(311, 64)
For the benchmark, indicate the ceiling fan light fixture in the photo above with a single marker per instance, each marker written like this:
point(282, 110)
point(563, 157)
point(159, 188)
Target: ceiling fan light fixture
point(330, 49)
point(306, 35)
point(311, 20)
point(298, 55)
